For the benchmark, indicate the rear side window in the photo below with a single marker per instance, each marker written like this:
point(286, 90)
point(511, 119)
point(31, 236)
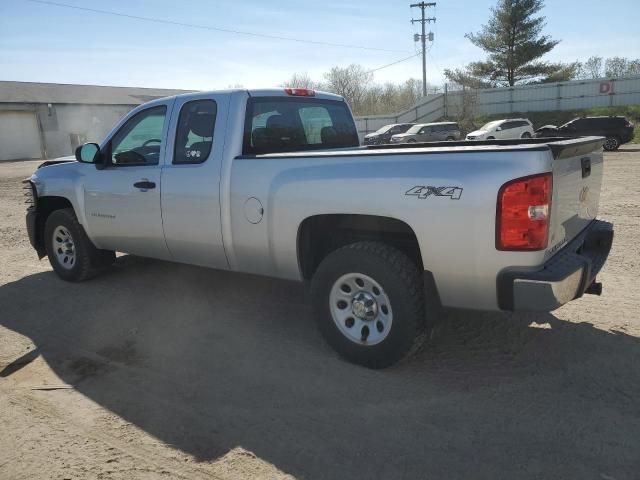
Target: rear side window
point(194, 134)
point(281, 124)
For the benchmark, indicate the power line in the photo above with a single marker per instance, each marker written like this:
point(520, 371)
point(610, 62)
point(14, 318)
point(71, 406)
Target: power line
point(393, 63)
point(206, 27)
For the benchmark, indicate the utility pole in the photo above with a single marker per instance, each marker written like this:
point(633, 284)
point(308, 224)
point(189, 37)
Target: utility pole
point(423, 38)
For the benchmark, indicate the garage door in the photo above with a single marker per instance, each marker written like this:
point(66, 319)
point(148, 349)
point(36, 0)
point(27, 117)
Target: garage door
point(19, 137)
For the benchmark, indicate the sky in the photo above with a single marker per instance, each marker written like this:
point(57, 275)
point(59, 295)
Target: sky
point(47, 43)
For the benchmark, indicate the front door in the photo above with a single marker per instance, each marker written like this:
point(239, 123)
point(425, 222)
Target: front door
point(122, 201)
point(425, 134)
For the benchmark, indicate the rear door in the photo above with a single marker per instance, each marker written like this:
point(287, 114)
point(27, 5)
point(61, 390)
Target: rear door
point(577, 178)
point(191, 181)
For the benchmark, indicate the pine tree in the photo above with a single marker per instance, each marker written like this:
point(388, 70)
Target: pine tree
point(514, 41)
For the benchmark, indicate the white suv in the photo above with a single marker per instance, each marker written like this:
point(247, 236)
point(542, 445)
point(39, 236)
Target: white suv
point(502, 129)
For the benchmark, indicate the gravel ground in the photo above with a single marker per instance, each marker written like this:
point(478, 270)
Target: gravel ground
point(157, 370)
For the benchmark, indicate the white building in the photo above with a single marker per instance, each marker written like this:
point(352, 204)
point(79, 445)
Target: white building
point(48, 120)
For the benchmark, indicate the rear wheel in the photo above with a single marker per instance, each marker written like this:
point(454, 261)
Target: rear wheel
point(526, 135)
point(611, 143)
point(449, 139)
point(491, 138)
point(72, 255)
point(369, 303)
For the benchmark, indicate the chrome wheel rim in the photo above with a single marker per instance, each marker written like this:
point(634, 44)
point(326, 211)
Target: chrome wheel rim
point(64, 248)
point(361, 309)
point(610, 143)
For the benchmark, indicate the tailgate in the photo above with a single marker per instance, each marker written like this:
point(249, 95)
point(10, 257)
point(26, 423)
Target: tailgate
point(577, 179)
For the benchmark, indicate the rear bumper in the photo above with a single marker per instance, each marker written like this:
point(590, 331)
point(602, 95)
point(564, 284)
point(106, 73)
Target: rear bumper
point(563, 278)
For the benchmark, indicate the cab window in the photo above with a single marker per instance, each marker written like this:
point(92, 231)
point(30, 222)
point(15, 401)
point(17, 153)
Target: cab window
point(277, 124)
point(194, 133)
point(139, 141)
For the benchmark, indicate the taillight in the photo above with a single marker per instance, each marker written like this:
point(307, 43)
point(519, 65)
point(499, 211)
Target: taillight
point(522, 217)
point(629, 124)
point(300, 92)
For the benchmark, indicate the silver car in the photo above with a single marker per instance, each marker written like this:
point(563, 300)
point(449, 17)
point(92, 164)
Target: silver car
point(429, 132)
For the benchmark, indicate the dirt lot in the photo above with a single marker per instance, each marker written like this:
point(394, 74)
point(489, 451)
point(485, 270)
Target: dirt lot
point(157, 370)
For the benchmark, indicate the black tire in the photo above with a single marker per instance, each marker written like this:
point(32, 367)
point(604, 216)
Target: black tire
point(411, 140)
point(401, 283)
point(88, 261)
point(450, 139)
point(526, 135)
point(491, 138)
point(611, 143)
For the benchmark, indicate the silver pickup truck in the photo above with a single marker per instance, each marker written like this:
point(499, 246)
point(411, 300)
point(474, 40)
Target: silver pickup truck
point(273, 182)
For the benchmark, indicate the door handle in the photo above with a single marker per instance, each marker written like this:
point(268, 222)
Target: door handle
point(586, 166)
point(144, 185)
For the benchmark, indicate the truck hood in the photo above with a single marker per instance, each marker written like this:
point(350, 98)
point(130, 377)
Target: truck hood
point(51, 175)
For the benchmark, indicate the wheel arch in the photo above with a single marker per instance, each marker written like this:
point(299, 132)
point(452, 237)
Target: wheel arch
point(46, 205)
point(319, 235)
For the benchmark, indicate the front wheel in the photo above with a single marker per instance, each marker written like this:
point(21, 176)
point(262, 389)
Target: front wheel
point(611, 143)
point(369, 303)
point(72, 255)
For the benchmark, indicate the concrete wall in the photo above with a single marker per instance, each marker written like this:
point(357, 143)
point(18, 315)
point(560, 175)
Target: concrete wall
point(573, 95)
point(63, 127)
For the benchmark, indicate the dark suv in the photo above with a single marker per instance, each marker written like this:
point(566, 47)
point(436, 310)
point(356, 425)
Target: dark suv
point(617, 130)
point(384, 134)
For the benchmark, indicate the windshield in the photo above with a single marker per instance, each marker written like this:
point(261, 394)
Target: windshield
point(415, 129)
point(565, 124)
point(384, 129)
point(490, 125)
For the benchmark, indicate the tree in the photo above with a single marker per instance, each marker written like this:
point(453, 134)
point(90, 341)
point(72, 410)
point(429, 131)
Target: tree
point(302, 80)
point(364, 97)
point(351, 82)
point(615, 67)
point(515, 45)
point(591, 68)
point(621, 67)
point(564, 72)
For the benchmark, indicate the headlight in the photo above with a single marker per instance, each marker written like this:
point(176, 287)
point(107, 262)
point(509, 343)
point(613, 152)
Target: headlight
point(30, 193)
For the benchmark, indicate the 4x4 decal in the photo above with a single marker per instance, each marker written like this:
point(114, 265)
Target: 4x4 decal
point(454, 193)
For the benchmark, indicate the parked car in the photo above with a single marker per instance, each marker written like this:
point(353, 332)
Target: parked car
point(273, 182)
point(429, 132)
point(616, 130)
point(503, 129)
point(383, 134)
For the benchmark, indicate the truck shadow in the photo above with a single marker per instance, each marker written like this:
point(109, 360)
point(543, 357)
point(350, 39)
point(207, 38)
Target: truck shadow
point(207, 361)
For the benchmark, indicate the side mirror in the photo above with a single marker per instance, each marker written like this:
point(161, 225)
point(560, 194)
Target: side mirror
point(498, 129)
point(88, 153)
